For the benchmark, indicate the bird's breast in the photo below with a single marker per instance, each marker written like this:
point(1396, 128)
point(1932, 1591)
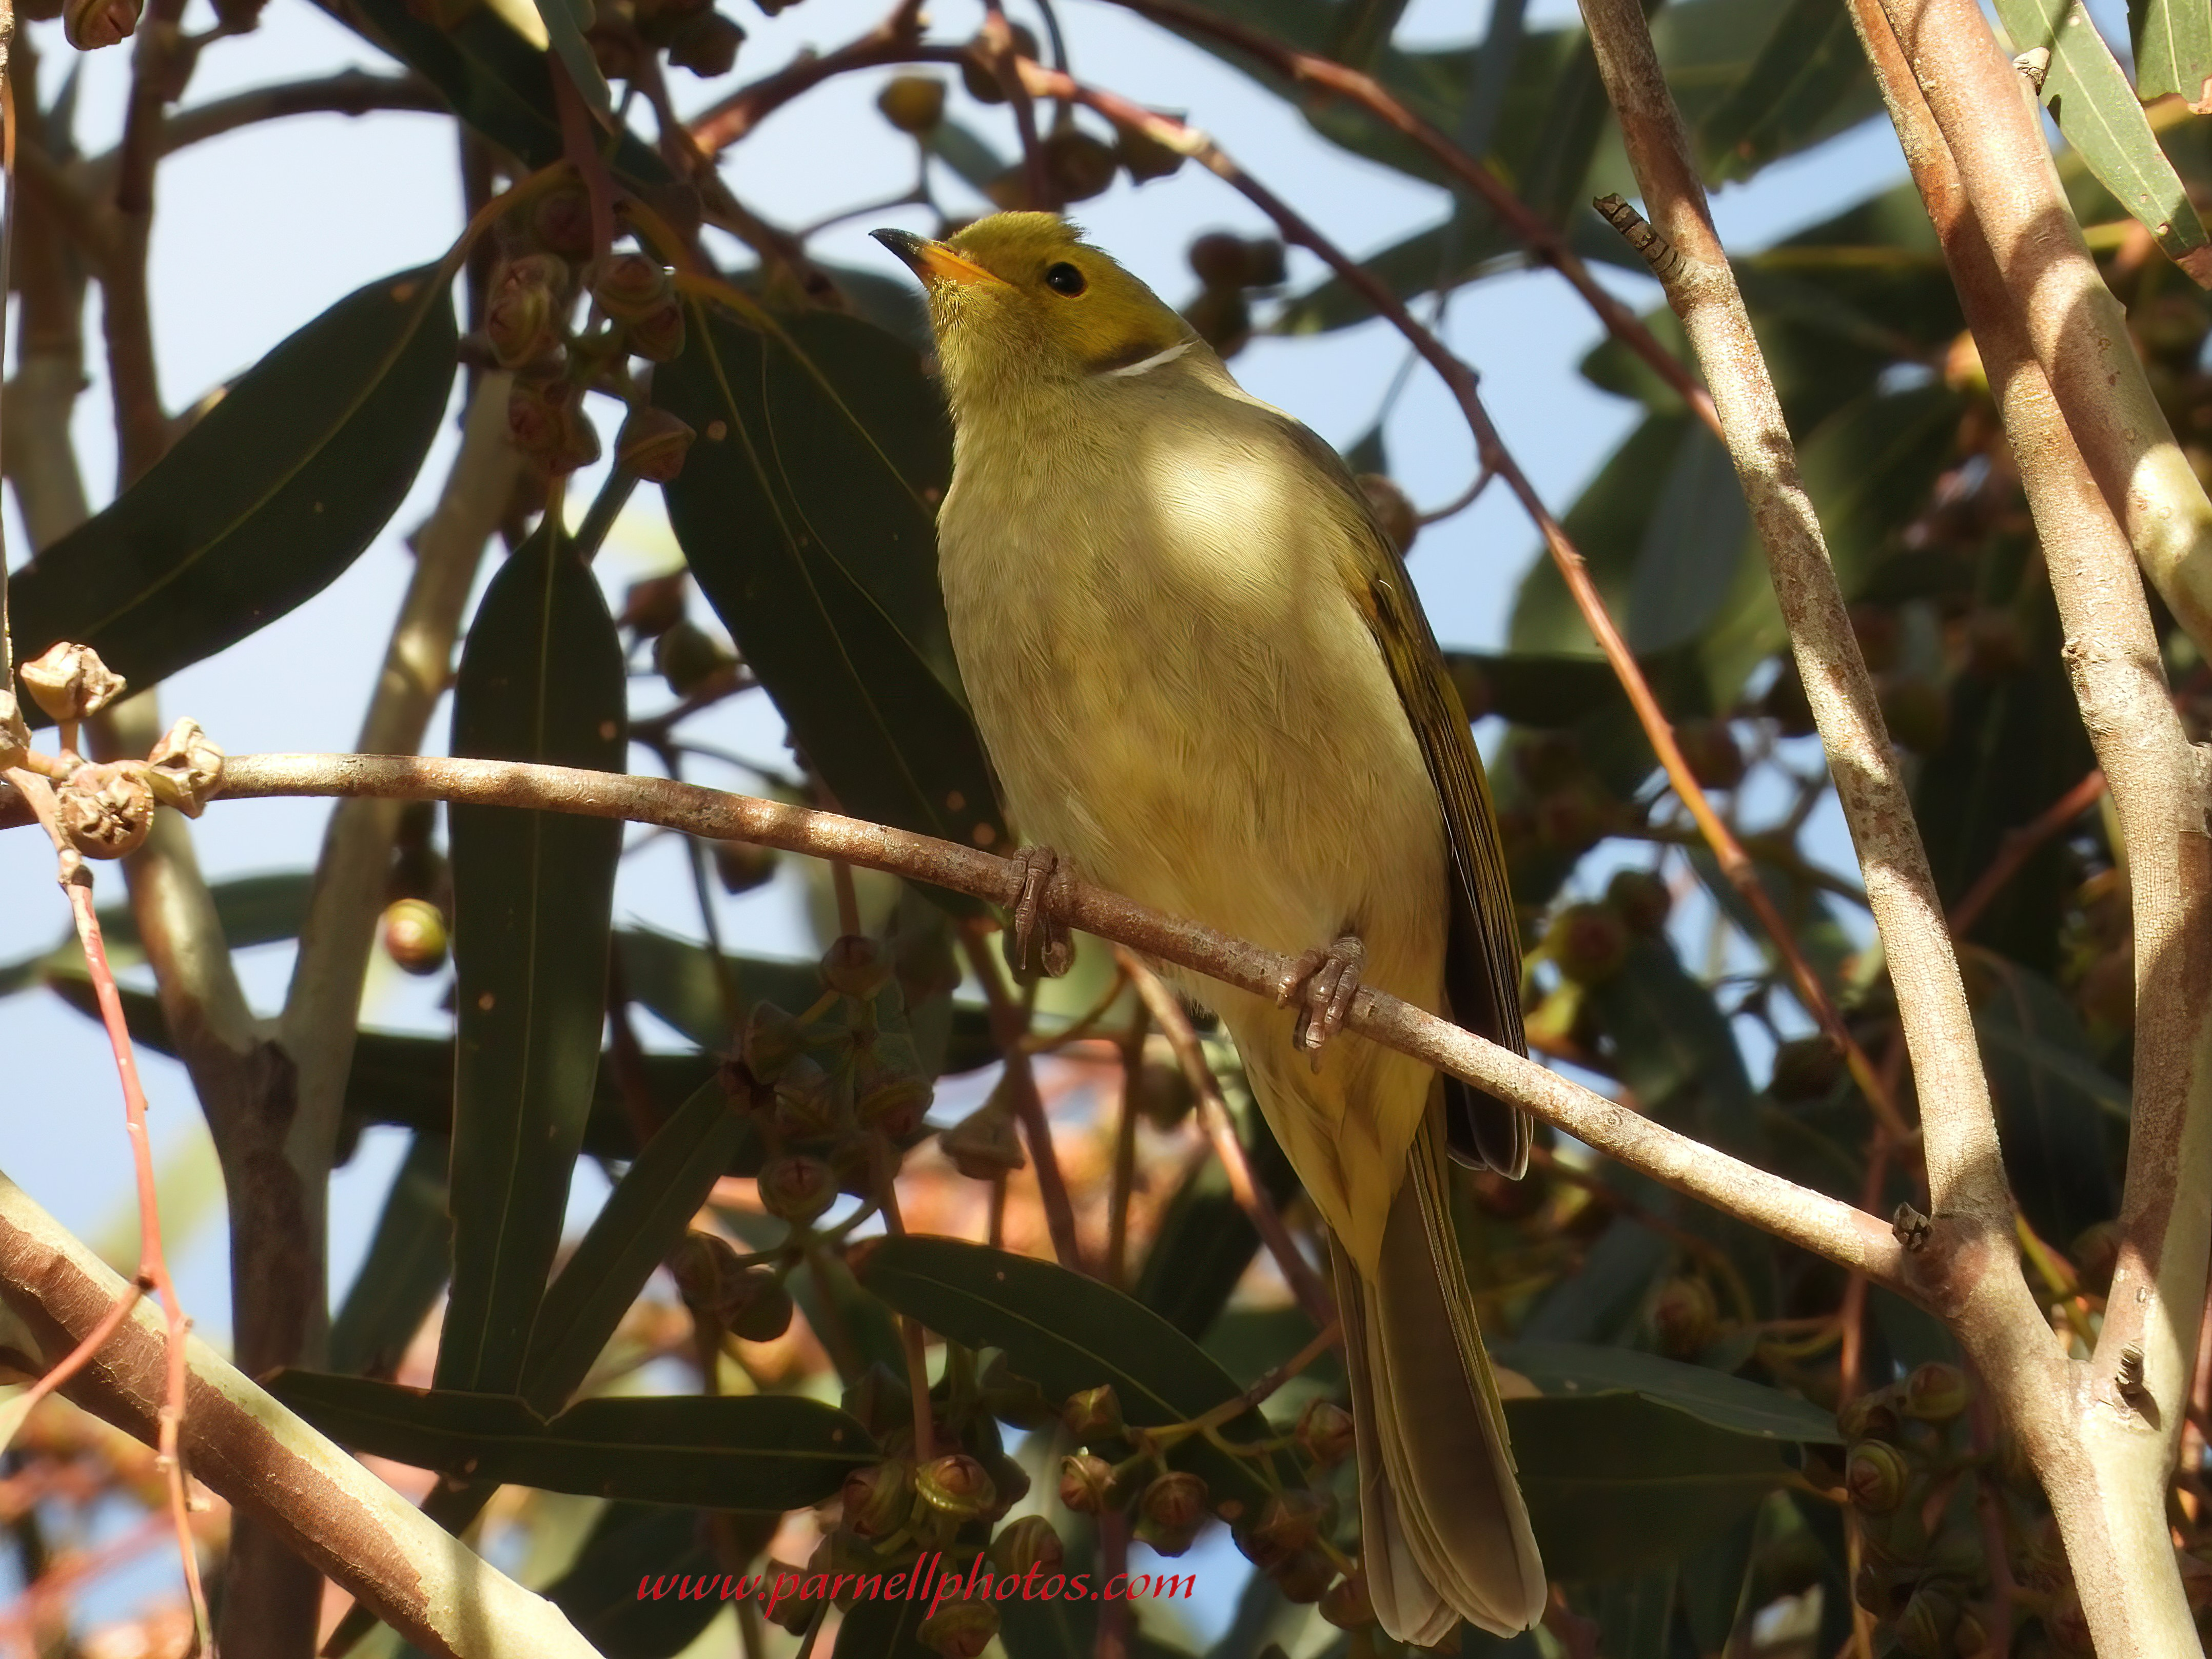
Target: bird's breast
point(1175, 688)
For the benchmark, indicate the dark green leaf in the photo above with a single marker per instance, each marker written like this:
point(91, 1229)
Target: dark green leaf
point(405, 1269)
point(1635, 1616)
point(1810, 65)
point(1810, 915)
point(632, 1545)
point(886, 1628)
point(1714, 1585)
point(2087, 95)
point(759, 1452)
point(649, 1212)
point(1066, 1332)
point(2173, 47)
point(541, 679)
point(409, 1080)
point(1618, 1486)
point(1713, 1397)
point(1203, 1242)
point(496, 82)
point(1601, 1300)
point(262, 504)
point(1674, 1049)
point(2051, 1098)
point(806, 515)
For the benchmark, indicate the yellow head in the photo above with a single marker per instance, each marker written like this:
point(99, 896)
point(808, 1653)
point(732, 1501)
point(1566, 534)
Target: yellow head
point(1019, 300)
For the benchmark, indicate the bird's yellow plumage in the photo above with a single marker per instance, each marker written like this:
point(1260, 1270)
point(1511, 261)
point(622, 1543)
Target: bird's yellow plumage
point(1204, 681)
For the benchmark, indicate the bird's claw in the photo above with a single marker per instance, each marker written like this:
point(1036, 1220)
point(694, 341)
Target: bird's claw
point(1324, 983)
point(1038, 942)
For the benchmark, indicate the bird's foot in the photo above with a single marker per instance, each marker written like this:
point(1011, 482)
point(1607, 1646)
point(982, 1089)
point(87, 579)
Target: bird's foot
point(1038, 942)
point(1323, 983)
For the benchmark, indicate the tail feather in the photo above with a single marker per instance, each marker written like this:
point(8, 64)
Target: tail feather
point(1445, 1535)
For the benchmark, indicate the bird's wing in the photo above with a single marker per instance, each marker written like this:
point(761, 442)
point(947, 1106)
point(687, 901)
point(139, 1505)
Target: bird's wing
point(1482, 953)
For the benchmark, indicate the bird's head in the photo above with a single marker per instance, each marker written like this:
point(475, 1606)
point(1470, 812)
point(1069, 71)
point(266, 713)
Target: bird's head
point(1021, 299)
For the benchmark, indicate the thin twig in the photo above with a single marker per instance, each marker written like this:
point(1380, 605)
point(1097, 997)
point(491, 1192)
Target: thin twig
point(1822, 1225)
point(153, 1260)
point(912, 1338)
point(2019, 845)
point(1008, 1025)
point(1131, 1047)
point(1221, 1130)
point(896, 39)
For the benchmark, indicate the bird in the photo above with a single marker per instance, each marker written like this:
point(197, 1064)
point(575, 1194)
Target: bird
point(1203, 678)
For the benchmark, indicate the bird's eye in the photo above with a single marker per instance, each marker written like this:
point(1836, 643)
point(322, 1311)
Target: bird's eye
point(1064, 278)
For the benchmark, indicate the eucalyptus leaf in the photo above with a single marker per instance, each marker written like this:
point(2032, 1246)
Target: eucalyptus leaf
point(1065, 1332)
point(264, 503)
point(541, 679)
point(807, 514)
point(2087, 95)
point(2173, 48)
point(757, 1452)
point(1586, 1369)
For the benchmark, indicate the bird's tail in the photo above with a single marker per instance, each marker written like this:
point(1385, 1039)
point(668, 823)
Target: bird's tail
point(1445, 1534)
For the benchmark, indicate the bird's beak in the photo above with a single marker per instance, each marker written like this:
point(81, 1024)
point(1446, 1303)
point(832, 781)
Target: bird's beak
point(933, 262)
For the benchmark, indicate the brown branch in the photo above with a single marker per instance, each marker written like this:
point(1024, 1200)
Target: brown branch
point(1009, 1024)
point(896, 39)
point(271, 1466)
point(1545, 241)
point(2076, 328)
point(2102, 1450)
point(1819, 1223)
point(1459, 380)
point(1966, 1178)
point(153, 1260)
point(998, 38)
point(1221, 1130)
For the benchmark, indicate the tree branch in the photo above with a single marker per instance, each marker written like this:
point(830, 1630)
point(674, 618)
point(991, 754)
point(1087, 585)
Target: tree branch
point(1966, 1177)
point(273, 1468)
point(1818, 1223)
point(2077, 331)
point(2105, 1453)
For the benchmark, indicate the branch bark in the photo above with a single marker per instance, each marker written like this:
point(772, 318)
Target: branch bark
point(272, 1467)
point(1809, 1218)
point(2074, 325)
point(2103, 1450)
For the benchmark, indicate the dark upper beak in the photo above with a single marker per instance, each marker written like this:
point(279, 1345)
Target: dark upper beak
point(933, 262)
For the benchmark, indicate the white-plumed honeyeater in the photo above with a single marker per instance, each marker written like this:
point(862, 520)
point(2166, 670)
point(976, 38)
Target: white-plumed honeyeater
point(1204, 681)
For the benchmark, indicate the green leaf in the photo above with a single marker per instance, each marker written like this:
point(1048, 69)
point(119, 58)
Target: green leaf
point(1714, 1585)
point(1811, 918)
point(1618, 1486)
point(807, 516)
point(759, 1452)
point(541, 679)
point(630, 1546)
point(409, 1080)
point(565, 23)
point(886, 1628)
point(649, 1212)
point(405, 1269)
point(1602, 1300)
point(1203, 1242)
point(1066, 1332)
point(2053, 1102)
point(1675, 1049)
point(1809, 66)
point(264, 503)
point(2173, 47)
point(2087, 95)
point(1586, 1369)
point(1635, 1616)
point(497, 82)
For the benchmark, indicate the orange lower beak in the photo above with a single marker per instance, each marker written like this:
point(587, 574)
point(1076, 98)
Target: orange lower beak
point(933, 262)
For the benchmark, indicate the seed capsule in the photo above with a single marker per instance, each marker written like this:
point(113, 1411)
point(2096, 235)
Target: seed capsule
point(1086, 1484)
point(105, 811)
point(1026, 1543)
point(1171, 1511)
point(1324, 1432)
point(960, 1630)
point(797, 1188)
point(1876, 1476)
point(415, 936)
point(878, 1498)
point(955, 1485)
point(70, 682)
point(1092, 1415)
point(913, 103)
point(1936, 1393)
